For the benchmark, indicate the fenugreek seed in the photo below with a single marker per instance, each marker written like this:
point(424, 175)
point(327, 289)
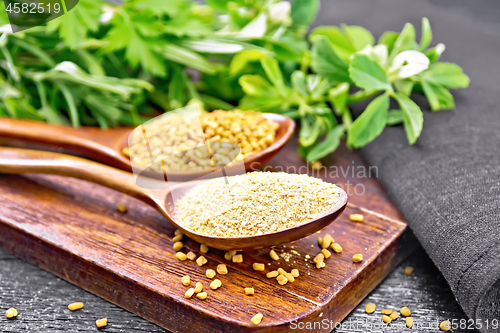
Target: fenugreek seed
point(316, 165)
point(409, 322)
point(386, 319)
point(249, 291)
point(320, 241)
point(281, 279)
point(121, 208)
point(222, 269)
point(357, 257)
point(198, 287)
point(319, 258)
point(191, 255)
point(102, 322)
point(201, 261)
point(408, 270)
point(210, 273)
point(289, 277)
point(186, 280)
point(202, 295)
point(295, 272)
point(281, 271)
point(258, 267)
point(273, 255)
point(337, 248)
point(295, 252)
point(327, 240)
point(11, 313)
point(177, 232)
point(357, 218)
point(321, 265)
point(394, 315)
point(177, 238)
point(216, 284)
point(178, 246)
point(272, 274)
point(228, 256)
point(445, 325)
point(405, 312)
point(237, 258)
point(370, 308)
point(203, 248)
point(307, 256)
point(387, 312)
point(257, 319)
point(189, 293)
point(326, 253)
point(75, 306)
point(181, 256)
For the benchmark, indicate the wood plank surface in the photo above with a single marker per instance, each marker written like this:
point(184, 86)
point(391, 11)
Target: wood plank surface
point(71, 228)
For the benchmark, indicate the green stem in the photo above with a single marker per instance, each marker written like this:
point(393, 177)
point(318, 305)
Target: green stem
point(73, 112)
point(361, 95)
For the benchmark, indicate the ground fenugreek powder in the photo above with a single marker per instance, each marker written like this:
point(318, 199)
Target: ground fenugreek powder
point(254, 203)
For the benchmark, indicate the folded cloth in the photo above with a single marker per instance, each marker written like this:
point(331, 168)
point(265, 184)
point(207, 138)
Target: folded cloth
point(447, 185)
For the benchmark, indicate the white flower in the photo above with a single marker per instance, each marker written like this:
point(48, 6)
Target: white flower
point(280, 12)
point(67, 67)
point(378, 53)
point(410, 63)
point(6, 28)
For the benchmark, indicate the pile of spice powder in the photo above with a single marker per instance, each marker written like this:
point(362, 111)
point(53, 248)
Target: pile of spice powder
point(254, 203)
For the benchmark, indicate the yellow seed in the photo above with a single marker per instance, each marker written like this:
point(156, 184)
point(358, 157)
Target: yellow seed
point(257, 319)
point(126, 151)
point(273, 255)
point(202, 295)
point(215, 284)
point(295, 272)
point(238, 258)
point(191, 255)
point(386, 312)
point(281, 271)
point(370, 308)
point(307, 256)
point(222, 269)
point(316, 165)
point(178, 246)
point(249, 291)
point(210, 273)
point(181, 256)
point(11, 313)
point(394, 315)
point(320, 241)
point(386, 319)
point(405, 312)
point(289, 277)
point(198, 287)
point(326, 253)
point(409, 322)
point(319, 258)
point(281, 279)
point(272, 274)
point(177, 238)
point(228, 256)
point(189, 293)
point(321, 264)
point(201, 261)
point(204, 248)
point(445, 325)
point(121, 208)
point(408, 270)
point(102, 322)
point(357, 217)
point(357, 257)
point(186, 280)
point(258, 266)
point(327, 240)
point(75, 306)
point(177, 232)
point(337, 248)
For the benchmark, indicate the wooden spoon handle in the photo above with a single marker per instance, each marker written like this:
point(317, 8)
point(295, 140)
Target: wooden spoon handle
point(18, 161)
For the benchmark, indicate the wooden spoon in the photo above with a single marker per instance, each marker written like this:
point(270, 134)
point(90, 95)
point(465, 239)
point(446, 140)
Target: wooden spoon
point(106, 146)
point(17, 161)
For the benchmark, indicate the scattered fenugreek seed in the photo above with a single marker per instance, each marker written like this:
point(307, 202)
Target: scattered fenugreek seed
point(370, 308)
point(289, 277)
point(316, 165)
point(249, 291)
point(337, 248)
point(387, 312)
point(198, 287)
point(75, 306)
point(257, 319)
point(216, 284)
point(189, 293)
point(445, 325)
point(258, 267)
point(177, 238)
point(186, 280)
point(321, 265)
point(327, 240)
point(102, 322)
point(191, 255)
point(204, 248)
point(357, 257)
point(394, 315)
point(357, 218)
point(295, 252)
point(408, 270)
point(202, 295)
point(307, 256)
point(281, 279)
point(222, 269)
point(320, 241)
point(178, 246)
point(229, 255)
point(319, 258)
point(237, 258)
point(121, 208)
point(11, 313)
point(210, 273)
point(181, 256)
point(405, 312)
point(409, 322)
point(295, 272)
point(273, 255)
point(326, 253)
point(281, 271)
point(201, 261)
point(272, 274)
point(177, 232)
point(386, 319)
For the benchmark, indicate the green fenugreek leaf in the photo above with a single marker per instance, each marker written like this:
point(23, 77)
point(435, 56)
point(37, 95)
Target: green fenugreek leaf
point(368, 74)
point(413, 118)
point(328, 145)
point(370, 123)
point(438, 96)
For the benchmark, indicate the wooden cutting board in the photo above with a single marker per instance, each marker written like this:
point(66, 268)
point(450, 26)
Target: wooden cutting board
point(71, 228)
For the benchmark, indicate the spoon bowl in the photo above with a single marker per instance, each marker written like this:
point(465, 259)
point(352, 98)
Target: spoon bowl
point(160, 196)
